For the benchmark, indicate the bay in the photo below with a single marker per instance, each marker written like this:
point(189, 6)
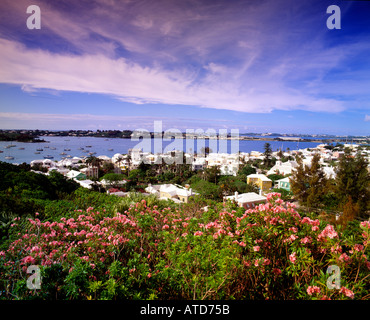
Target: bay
point(82, 146)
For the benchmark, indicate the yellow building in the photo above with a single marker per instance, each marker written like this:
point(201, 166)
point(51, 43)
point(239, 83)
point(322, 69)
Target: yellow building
point(261, 181)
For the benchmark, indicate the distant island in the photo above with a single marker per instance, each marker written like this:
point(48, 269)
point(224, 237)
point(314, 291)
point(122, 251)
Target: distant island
point(20, 136)
point(34, 136)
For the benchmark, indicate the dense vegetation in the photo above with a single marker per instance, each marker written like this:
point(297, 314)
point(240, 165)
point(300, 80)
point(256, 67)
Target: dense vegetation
point(145, 252)
point(90, 245)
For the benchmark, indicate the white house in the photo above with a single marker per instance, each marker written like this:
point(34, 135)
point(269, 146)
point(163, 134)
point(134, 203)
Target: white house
point(284, 168)
point(171, 191)
point(247, 200)
point(76, 175)
point(86, 183)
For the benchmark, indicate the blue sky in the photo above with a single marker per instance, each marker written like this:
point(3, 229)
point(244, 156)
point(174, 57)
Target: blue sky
point(259, 66)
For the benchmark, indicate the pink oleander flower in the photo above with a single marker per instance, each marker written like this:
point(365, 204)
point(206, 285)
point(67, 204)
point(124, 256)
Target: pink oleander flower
point(313, 289)
point(293, 257)
point(365, 224)
point(266, 261)
point(149, 275)
point(198, 233)
point(166, 226)
point(344, 257)
point(242, 244)
point(29, 259)
point(306, 240)
point(358, 247)
point(328, 232)
point(294, 229)
point(256, 248)
point(277, 271)
point(348, 293)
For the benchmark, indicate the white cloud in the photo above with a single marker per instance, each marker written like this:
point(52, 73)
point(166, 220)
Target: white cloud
point(367, 117)
point(58, 121)
point(210, 55)
point(128, 81)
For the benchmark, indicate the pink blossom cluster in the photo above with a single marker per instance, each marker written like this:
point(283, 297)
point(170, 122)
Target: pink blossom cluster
point(270, 239)
point(328, 232)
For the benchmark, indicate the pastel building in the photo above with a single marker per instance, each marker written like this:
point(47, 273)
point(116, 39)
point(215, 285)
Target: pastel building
point(261, 181)
point(247, 200)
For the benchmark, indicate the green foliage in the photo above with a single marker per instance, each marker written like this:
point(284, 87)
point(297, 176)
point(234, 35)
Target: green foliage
point(353, 180)
point(207, 189)
point(147, 252)
point(246, 170)
point(275, 177)
point(308, 183)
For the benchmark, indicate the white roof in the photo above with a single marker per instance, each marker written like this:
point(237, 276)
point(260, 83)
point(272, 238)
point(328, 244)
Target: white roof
point(247, 197)
point(259, 176)
point(105, 158)
point(73, 173)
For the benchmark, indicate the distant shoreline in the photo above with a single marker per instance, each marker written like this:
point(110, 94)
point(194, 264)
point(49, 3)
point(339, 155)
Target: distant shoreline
point(37, 136)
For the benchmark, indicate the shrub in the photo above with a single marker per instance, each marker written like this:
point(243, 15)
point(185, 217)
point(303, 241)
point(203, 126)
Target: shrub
point(269, 252)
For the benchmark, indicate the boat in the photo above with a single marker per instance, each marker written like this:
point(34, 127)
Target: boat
point(9, 158)
point(67, 149)
point(39, 149)
point(46, 147)
point(48, 157)
point(37, 152)
point(69, 156)
point(53, 148)
point(1, 151)
point(88, 146)
point(91, 153)
point(80, 148)
point(110, 149)
point(20, 148)
point(62, 153)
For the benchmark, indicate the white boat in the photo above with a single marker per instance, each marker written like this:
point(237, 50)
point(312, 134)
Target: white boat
point(9, 158)
point(48, 157)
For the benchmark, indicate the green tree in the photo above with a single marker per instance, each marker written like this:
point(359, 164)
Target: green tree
point(212, 174)
point(308, 183)
point(353, 180)
point(246, 170)
point(267, 161)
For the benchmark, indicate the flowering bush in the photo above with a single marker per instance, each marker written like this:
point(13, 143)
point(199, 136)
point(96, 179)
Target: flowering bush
point(269, 252)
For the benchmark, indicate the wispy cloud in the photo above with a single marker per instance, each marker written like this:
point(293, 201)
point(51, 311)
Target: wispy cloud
point(58, 121)
point(242, 57)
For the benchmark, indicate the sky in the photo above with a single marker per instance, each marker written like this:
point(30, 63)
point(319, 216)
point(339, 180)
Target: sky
point(253, 65)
